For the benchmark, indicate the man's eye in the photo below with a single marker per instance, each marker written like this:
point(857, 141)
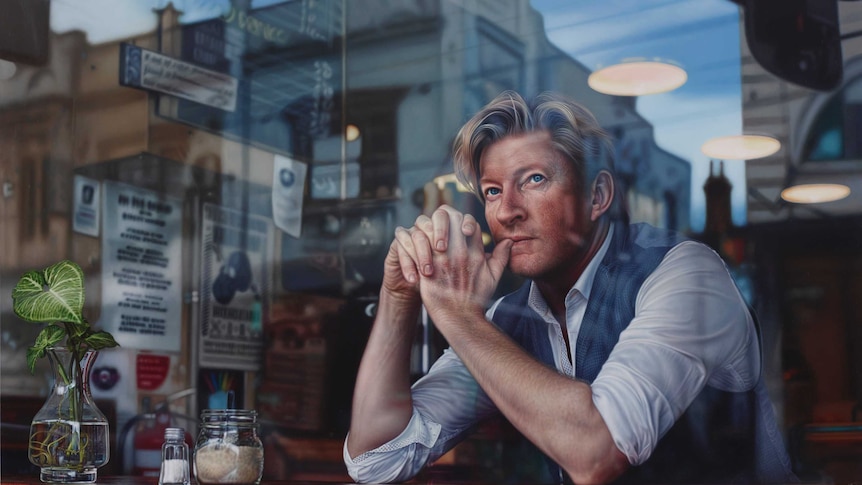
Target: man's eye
point(535, 178)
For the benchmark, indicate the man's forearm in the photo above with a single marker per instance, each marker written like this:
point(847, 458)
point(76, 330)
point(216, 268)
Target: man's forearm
point(382, 405)
point(553, 411)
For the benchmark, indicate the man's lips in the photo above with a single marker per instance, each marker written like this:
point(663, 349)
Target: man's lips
point(518, 241)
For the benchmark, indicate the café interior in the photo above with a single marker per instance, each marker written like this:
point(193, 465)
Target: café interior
point(229, 174)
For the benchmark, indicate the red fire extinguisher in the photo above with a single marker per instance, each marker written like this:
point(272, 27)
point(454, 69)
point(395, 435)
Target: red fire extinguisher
point(148, 444)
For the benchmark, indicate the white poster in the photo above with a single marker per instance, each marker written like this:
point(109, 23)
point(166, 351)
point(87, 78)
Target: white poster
point(86, 206)
point(142, 268)
point(288, 187)
point(236, 255)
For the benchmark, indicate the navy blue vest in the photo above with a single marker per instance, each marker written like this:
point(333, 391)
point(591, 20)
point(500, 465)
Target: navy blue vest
point(723, 437)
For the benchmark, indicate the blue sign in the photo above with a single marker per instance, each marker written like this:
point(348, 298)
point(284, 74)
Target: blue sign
point(288, 60)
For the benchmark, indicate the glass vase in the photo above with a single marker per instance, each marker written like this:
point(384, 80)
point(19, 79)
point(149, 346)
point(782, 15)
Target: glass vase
point(69, 437)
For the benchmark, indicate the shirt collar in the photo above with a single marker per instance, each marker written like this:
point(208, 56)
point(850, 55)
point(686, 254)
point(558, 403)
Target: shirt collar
point(583, 285)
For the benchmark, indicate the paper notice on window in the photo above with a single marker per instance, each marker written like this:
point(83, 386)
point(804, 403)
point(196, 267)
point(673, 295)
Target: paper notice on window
point(142, 268)
point(288, 187)
point(86, 207)
point(236, 260)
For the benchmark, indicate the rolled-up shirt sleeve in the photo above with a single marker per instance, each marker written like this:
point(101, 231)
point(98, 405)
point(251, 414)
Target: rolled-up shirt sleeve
point(691, 328)
point(399, 459)
point(447, 404)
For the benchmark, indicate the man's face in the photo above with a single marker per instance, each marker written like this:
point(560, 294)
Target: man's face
point(532, 197)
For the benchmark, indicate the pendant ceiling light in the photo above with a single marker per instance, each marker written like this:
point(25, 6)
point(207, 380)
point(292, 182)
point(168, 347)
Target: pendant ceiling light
point(740, 147)
point(351, 132)
point(637, 78)
point(815, 193)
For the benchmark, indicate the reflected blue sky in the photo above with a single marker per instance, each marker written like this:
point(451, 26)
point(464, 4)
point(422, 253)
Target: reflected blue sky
point(700, 35)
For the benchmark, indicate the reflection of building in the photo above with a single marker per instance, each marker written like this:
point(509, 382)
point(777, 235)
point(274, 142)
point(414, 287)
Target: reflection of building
point(414, 71)
point(453, 60)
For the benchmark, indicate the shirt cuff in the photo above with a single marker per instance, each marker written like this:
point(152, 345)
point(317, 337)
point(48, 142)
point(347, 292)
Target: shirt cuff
point(399, 459)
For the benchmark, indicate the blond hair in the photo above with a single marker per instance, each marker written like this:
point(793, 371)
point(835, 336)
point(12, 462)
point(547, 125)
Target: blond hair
point(574, 132)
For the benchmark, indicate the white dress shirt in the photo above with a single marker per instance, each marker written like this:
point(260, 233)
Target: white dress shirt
point(691, 328)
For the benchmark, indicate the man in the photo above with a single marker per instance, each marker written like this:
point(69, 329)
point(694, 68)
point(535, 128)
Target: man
point(627, 355)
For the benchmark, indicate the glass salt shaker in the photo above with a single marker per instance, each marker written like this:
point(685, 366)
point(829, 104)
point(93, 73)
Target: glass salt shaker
point(175, 458)
point(228, 449)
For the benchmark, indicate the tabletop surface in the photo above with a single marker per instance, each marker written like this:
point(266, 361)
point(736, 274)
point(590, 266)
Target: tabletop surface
point(137, 480)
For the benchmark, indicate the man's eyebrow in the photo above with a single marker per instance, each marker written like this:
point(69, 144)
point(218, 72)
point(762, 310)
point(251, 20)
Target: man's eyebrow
point(517, 173)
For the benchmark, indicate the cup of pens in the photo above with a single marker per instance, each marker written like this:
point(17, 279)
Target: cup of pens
point(228, 448)
point(220, 390)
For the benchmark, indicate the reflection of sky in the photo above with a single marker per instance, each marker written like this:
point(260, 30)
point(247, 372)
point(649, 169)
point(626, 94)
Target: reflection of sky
point(106, 20)
point(700, 35)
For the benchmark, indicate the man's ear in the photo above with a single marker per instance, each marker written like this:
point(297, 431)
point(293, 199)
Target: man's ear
point(602, 194)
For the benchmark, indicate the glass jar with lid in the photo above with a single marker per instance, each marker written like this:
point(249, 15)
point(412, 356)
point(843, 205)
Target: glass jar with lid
point(228, 448)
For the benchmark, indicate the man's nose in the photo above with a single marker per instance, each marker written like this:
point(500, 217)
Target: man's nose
point(511, 208)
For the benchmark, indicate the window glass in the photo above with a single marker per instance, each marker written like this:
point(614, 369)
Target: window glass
point(229, 175)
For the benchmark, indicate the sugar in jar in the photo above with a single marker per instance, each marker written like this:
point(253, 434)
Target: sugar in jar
point(228, 448)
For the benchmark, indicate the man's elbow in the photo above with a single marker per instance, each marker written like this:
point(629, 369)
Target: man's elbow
point(603, 469)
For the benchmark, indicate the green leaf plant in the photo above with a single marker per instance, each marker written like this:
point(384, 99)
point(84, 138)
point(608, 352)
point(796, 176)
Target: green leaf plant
point(56, 296)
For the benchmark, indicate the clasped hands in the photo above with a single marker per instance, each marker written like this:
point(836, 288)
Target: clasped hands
point(443, 259)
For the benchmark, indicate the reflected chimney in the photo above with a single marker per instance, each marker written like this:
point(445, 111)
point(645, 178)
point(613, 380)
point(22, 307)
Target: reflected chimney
point(717, 189)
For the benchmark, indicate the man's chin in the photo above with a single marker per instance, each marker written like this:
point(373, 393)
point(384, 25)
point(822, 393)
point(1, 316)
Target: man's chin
point(522, 269)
